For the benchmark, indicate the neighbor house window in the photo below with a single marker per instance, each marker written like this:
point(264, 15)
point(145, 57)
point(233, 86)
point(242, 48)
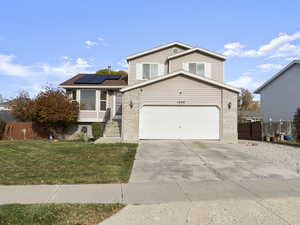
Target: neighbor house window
point(87, 99)
point(197, 68)
point(103, 100)
point(150, 70)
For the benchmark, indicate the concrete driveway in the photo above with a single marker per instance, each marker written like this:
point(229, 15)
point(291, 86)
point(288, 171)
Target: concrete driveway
point(189, 161)
point(248, 183)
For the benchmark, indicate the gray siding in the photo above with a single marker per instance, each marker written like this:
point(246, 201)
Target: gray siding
point(281, 98)
point(216, 64)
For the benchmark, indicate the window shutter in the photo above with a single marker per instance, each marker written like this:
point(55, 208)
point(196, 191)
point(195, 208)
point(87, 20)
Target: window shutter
point(185, 66)
point(207, 70)
point(139, 71)
point(161, 69)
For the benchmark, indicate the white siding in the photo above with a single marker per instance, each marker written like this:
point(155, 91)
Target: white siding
point(281, 98)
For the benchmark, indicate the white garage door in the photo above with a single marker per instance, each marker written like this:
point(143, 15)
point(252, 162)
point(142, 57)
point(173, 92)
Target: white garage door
point(179, 122)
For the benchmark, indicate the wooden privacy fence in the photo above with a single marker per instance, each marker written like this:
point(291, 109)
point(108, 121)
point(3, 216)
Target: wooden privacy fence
point(250, 131)
point(23, 131)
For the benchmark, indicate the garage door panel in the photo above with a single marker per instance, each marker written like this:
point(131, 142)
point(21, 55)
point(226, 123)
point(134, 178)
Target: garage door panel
point(158, 122)
point(200, 123)
point(179, 122)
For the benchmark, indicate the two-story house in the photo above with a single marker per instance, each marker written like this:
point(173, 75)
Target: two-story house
point(280, 95)
point(174, 91)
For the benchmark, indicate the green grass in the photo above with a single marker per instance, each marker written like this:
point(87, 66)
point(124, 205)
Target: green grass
point(43, 162)
point(56, 214)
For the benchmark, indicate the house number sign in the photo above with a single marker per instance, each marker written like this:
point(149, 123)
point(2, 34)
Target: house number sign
point(180, 102)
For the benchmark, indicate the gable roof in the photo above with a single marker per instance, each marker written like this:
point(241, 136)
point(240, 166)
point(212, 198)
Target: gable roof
point(158, 48)
point(281, 72)
point(107, 83)
point(217, 55)
point(185, 73)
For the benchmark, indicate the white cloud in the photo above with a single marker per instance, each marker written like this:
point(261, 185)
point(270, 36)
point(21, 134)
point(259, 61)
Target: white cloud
point(245, 82)
point(279, 46)
point(99, 41)
point(269, 67)
point(233, 49)
point(234, 45)
point(279, 41)
point(246, 73)
point(123, 63)
point(69, 68)
point(8, 67)
point(287, 50)
point(90, 44)
point(102, 42)
point(82, 62)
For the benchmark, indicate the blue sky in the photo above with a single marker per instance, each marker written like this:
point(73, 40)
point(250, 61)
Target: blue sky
point(46, 42)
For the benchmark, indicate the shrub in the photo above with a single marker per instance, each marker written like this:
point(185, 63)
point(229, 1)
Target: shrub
point(54, 110)
point(2, 128)
point(21, 107)
point(51, 108)
point(297, 124)
point(98, 129)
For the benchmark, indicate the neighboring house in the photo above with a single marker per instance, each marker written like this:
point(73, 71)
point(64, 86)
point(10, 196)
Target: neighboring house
point(4, 106)
point(280, 95)
point(174, 91)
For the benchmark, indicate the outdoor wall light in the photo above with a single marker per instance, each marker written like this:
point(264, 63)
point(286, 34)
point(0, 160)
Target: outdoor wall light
point(131, 104)
point(229, 105)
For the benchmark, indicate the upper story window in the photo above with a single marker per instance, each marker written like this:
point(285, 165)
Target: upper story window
point(199, 68)
point(150, 70)
point(146, 71)
point(88, 99)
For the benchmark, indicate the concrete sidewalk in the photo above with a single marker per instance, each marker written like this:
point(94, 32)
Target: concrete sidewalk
point(151, 193)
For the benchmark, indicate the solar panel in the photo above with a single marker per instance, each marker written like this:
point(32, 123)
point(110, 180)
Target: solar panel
point(96, 78)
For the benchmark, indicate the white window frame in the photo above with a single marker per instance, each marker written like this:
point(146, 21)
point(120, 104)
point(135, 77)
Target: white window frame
point(188, 65)
point(79, 97)
point(106, 100)
point(150, 76)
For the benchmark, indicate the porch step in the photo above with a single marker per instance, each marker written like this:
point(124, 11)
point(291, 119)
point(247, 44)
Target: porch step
point(112, 129)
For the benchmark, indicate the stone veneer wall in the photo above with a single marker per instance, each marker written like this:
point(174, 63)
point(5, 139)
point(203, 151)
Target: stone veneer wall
point(130, 117)
point(229, 119)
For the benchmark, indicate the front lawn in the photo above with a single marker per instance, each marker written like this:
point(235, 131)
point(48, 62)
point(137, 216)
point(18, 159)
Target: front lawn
point(43, 162)
point(56, 214)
